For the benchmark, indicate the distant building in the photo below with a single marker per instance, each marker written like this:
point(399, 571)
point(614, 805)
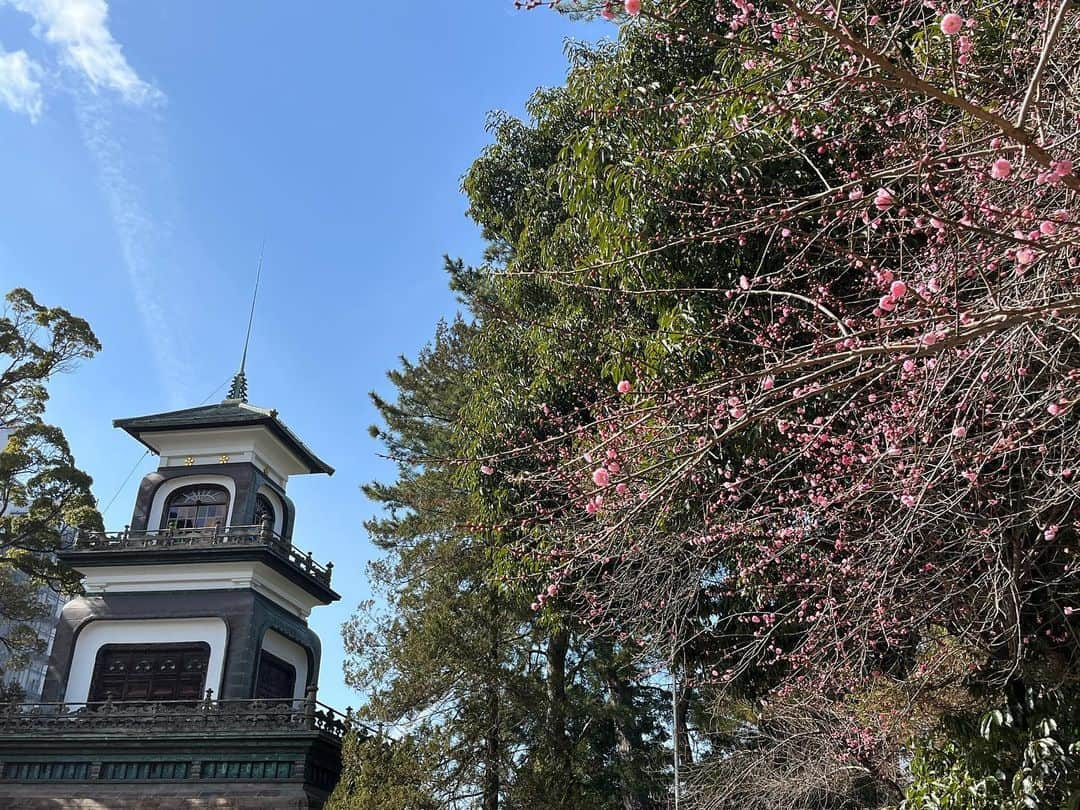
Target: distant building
point(31, 676)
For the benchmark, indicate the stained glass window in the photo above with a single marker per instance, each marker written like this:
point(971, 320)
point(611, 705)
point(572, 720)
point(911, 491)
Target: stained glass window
point(197, 507)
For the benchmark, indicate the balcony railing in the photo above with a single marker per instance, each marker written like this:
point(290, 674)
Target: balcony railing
point(208, 537)
point(175, 717)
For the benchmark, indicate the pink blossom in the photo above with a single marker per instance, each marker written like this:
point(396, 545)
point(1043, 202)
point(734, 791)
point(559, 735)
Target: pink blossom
point(1001, 169)
point(1063, 168)
point(486, 469)
point(1053, 409)
point(1050, 533)
point(607, 13)
point(744, 283)
point(887, 303)
point(601, 477)
point(1025, 256)
point(633, 7)
point(971, 475)
point(1069, 611)
point(898, 290)
point(959, 431)
point(622, 489)
point(768, 383)
point(874, 20)
point(737, 413)
point(907, 500)
point(624, 386)
point(591, 507)
point(930, 338)
point(1047, 228)
point(909, 365)
point(552, 590)
point(883, 200)
point(614, 466)
point(951, 24)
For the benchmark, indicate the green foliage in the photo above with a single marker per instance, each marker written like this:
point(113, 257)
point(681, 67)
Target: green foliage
point(44, 496)
point(384, 774)
point(514, 709)
point(597, 270)
point(453, 642)
point(1021, 755)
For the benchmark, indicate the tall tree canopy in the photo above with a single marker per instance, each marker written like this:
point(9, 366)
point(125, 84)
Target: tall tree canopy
point(772, 386)
point(487, 704)
point(44, 497)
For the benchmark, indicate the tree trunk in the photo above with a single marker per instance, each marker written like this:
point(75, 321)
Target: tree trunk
point(493, 721)
point(627, 740)
point(558, 645)
point(682, 733)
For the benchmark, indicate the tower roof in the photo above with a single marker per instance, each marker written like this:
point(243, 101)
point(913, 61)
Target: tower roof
point(227, 414)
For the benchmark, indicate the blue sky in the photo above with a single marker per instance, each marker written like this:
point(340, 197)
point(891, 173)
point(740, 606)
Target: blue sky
point(147, 148)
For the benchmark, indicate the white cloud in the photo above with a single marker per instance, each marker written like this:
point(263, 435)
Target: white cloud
point(79, 28)
point(19, 88)
point(120, 134)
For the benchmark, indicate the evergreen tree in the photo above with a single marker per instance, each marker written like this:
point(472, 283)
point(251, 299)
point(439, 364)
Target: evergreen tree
point(44, 496)
point(515, 709)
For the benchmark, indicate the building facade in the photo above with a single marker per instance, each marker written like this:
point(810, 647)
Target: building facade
point(29, 676)
point(188, 671)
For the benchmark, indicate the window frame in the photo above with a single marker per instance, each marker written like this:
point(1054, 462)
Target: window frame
point(171, 502)
point(262, 504)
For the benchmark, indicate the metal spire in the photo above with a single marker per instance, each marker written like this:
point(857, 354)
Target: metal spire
point(238, 389)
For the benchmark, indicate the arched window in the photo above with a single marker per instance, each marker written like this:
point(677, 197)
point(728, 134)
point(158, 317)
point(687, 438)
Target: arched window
point(263, 510)
point(197, 507)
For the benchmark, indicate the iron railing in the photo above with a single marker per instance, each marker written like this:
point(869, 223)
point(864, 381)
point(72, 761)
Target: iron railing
point(209, 537)
point(175, 717)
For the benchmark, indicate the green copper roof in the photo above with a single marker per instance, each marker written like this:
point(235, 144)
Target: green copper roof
point(230, 413)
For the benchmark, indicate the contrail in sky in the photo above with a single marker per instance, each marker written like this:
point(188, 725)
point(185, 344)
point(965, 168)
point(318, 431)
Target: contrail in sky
point(142, 239)
point(120, 122)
